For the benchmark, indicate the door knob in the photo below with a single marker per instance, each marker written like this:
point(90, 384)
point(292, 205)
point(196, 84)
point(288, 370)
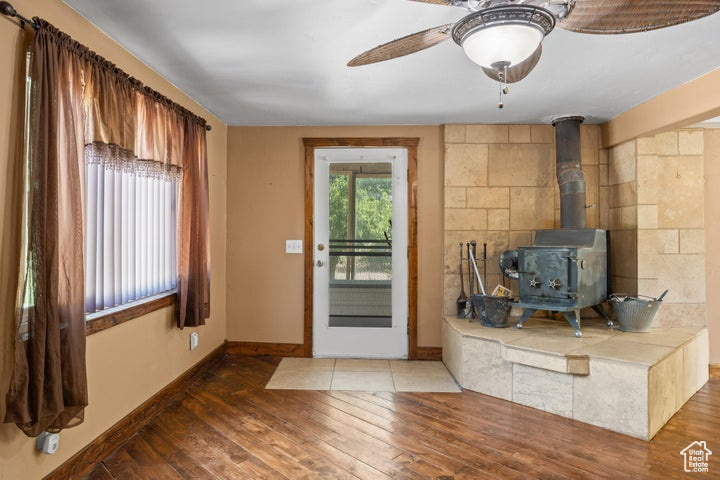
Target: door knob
point(319, 263)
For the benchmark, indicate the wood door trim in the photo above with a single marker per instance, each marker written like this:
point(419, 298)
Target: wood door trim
point(411, 144)
point(429, 353)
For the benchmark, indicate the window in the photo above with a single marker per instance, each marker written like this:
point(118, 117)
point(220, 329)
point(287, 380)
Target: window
point(118, 237)
point(360, 211)
point(360, 222)
point(131, 225)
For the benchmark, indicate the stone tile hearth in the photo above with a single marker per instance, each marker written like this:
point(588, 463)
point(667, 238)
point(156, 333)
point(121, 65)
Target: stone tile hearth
point(630, 383)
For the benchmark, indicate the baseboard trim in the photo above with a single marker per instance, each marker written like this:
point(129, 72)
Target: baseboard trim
point(89, 457)
point(252, 349)
point(429, 353)
point(714, 370)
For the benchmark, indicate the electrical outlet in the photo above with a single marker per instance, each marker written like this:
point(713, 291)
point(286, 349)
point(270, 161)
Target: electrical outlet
point(293, 246)
point(47, 442)
point(193, 340)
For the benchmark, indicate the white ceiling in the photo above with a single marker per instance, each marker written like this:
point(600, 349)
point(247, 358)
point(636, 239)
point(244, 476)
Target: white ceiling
point(283, 62)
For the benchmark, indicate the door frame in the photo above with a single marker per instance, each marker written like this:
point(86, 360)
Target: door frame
point(409, 143)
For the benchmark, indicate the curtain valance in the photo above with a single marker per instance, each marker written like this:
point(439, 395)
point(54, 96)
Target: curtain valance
point(120, 110)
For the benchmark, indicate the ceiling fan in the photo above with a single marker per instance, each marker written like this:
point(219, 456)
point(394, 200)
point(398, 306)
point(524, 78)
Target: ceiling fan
point(505, 37)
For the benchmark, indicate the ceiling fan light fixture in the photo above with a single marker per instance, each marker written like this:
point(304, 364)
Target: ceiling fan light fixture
point(508, 33)
point(502, 43)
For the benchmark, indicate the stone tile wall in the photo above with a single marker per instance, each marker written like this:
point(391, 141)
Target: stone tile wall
point(620, 200)
point(670, 224)
point(656, 218)
point(500, 187)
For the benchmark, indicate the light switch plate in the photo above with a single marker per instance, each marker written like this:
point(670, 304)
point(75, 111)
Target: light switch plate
point(293, 246)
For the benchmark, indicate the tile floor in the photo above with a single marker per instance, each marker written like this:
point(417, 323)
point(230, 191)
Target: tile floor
point(362, 375)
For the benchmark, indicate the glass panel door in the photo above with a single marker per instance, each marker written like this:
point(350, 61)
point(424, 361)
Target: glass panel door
point(360, 253)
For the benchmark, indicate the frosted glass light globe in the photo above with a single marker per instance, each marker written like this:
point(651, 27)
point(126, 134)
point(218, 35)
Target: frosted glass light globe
point(511, 43)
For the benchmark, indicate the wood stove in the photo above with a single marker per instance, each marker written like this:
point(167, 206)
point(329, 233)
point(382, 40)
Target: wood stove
point(566, 269)
point(563, 271)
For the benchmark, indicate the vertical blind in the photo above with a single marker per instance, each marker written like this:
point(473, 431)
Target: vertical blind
point(131, 227)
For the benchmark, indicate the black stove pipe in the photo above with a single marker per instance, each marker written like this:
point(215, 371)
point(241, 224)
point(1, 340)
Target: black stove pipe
point(569, 173)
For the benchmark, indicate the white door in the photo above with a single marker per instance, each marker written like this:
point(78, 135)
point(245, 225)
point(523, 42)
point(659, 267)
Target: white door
point(360, 256)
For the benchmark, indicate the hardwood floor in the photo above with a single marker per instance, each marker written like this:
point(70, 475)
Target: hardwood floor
point(227, 426)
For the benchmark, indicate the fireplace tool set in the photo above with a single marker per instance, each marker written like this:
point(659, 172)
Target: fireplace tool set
point(492, 310)
point(475, 285)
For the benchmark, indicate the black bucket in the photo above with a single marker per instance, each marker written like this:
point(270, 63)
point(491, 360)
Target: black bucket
point(491, 310)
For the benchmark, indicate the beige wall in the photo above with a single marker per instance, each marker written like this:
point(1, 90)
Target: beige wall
point(128, 363)
point(500, 187)
point(266, 207)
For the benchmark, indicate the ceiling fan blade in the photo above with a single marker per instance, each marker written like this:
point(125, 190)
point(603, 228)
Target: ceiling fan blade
point(403, 46)
point(629, 16)
point(449, 3)
point(519, 71)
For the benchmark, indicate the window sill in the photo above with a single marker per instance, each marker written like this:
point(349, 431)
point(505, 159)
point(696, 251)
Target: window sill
point(99, 321)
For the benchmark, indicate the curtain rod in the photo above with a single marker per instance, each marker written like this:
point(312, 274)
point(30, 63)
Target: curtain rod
point(7, 9)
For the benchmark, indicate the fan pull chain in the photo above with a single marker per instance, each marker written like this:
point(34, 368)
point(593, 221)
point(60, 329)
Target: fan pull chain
point(503, 85)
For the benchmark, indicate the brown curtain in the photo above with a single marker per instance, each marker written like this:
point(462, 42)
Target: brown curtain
point(79, 99)
point(194, 234)
point(48, 389)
